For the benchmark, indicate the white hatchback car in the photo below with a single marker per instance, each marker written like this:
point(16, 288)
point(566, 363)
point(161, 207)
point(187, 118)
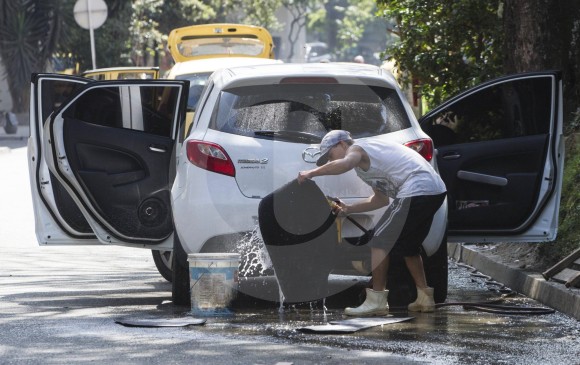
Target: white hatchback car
point(110, 162)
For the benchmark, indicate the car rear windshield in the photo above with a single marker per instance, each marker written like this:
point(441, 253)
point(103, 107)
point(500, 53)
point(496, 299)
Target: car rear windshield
point(294, 112)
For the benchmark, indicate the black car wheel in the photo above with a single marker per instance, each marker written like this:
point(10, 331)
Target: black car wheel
point(163, 262)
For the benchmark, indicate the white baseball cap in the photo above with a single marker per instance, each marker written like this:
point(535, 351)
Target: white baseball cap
point(331, 139)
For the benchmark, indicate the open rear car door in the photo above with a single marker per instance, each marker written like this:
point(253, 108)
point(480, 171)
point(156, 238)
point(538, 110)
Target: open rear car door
point(500, 151)
point(109, 147)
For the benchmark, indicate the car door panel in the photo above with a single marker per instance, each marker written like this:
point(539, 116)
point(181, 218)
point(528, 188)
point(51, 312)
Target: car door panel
point(498, 152)
point(111, 148)
point(494, 184)
point(119, 178)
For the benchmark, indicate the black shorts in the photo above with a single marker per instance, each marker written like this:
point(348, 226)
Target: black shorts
point(405, 224)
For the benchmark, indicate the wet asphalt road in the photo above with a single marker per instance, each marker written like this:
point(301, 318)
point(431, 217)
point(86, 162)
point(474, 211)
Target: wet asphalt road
point(58, 305)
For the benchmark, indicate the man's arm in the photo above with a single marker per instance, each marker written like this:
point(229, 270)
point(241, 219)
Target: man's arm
point(375, 201)
point(336, 167)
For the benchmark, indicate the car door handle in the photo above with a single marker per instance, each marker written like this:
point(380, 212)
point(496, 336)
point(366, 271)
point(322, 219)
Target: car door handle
point(451, 156)
point(482, 178)
point(157, 148)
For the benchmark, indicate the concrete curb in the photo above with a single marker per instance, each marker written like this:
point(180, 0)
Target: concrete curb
point(533, 285)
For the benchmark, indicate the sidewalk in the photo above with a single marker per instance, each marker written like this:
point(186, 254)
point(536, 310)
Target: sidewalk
point(531, 284)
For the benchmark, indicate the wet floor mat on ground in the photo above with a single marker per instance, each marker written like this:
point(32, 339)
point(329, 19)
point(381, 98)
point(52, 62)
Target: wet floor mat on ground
point(160, 322)
point(352, 325)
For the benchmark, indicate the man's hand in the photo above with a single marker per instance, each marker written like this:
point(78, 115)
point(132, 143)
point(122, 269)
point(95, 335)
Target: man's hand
point(303, 176)
point(339, 208)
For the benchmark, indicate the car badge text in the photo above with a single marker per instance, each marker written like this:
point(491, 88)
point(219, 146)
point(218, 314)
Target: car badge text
point(261, 161)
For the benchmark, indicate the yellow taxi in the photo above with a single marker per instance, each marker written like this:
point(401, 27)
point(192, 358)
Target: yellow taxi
point(122, 73)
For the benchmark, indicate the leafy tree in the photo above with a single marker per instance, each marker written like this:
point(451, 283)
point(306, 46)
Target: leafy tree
point(343, 24)
point(29, 32)
point(446, 46)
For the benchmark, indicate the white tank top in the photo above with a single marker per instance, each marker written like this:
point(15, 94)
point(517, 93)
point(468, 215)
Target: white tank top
point(398, 171)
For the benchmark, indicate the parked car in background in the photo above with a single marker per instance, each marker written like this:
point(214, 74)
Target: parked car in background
point(318, 52)
point(122, 73)
point(138, 177)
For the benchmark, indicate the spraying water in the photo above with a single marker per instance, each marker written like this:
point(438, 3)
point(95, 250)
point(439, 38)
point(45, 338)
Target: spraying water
point(255, 259)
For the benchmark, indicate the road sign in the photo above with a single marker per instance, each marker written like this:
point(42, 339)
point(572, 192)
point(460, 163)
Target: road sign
point(90, 14)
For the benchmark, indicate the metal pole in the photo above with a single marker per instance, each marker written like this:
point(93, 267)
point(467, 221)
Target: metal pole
point(92, 33)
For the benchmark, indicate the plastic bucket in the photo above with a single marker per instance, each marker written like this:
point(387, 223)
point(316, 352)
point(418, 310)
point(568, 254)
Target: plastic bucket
point(213, 282)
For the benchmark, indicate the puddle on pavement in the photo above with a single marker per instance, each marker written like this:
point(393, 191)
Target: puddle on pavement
point(451, 335)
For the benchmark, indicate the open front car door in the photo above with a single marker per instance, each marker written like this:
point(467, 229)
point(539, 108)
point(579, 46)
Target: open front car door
point(110, 146)
point(500, 151)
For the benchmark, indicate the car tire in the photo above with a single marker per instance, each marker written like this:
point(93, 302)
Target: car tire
point(180, 275)
point(437, 271)
point(163, 262)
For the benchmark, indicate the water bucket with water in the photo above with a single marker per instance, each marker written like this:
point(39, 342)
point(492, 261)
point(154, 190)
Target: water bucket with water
point(213, 282)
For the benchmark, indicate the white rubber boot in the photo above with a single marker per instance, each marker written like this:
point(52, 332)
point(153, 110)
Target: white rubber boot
point(424, 302)
point(375, 304)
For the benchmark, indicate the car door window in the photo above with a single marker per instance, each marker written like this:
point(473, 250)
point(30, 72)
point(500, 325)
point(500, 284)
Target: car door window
point(149, 109)
point(508, 110)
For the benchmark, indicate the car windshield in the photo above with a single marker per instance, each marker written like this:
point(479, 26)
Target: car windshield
point(197, 82)
point(247, 45)
point(303, 113)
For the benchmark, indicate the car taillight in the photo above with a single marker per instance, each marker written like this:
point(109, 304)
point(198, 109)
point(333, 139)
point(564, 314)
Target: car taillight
point(211, 157)
point(423, 146)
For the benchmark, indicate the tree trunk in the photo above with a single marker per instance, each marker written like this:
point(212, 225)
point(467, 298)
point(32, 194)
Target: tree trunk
point(545, 35)
point(530, 35)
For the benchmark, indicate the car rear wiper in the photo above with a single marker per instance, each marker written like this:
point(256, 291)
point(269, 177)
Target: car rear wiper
point(291, 136)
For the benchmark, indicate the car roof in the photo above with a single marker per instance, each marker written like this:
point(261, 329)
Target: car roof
point(213, 64)
point(344, 72)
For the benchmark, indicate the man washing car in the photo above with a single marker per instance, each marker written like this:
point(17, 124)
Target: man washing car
point(397, 172)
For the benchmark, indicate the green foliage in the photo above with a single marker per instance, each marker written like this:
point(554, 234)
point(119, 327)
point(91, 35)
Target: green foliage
point(29, 31)
point(568, 239)
point(445, 46)
point(355, 16)
point(343, 24)
point(109, 38)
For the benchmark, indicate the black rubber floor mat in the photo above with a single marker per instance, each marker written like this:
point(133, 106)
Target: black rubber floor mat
point(352, 325)
point(160, 322)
